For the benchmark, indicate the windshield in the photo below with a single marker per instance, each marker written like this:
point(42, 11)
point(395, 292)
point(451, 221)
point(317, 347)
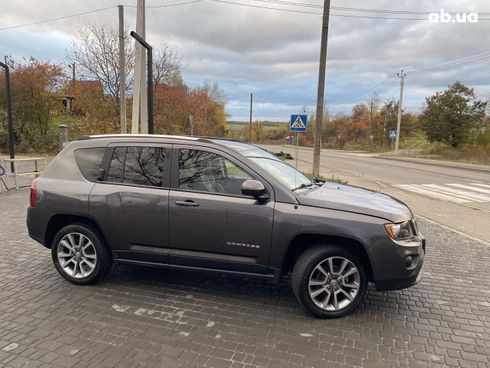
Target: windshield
point(280, 170)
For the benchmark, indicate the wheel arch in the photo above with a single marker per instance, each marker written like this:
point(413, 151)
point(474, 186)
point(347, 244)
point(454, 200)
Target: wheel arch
point(302, 242)
point(59, 221)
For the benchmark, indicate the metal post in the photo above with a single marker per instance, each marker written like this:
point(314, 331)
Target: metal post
point(317, 134)
point(73, 78)
point(144, 92)
point(400, 103)
point(135, 126)
point(250, 123)
point(149, 50)
point(8, 103)
point(122, 73)
point(297, 150)
point(63, 135)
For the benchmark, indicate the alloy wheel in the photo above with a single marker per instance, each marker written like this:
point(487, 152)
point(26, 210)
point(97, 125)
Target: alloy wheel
point(334, 283)
point(77, 256)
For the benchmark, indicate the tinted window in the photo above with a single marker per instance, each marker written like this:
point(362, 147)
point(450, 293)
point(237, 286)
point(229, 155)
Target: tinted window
point(137, 165)
point(89, 161)
point(209, 172)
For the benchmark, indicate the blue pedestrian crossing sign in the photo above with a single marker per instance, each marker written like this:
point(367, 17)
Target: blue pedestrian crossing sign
point(298, 123)
point(392, 134)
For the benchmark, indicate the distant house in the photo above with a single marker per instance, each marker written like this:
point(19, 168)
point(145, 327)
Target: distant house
point(81, 89)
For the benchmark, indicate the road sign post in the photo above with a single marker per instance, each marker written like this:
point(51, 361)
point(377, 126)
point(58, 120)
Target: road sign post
point(393, 136)
point(298, 124)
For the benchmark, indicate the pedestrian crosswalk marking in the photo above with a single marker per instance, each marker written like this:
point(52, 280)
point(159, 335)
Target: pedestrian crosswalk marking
point(420, 190)
point(453, 192)
point(465, 194)
point(475, 189)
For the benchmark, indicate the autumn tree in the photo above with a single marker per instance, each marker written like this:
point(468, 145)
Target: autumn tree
point(452, 115)
point(95, 54)
point(36, 104)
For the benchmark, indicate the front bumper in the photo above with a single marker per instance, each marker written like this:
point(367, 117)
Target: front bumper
point(403, 275)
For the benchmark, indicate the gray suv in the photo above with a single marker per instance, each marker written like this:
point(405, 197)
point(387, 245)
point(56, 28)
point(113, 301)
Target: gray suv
point(218, 205)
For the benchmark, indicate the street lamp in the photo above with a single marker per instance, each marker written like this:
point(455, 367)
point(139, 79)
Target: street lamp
point(8, 98)
point(149, 84)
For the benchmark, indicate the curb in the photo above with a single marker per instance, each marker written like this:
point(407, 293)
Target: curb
point(455, 165)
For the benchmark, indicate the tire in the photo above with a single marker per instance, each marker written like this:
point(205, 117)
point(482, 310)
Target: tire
point(87, 261)
point(310, 284)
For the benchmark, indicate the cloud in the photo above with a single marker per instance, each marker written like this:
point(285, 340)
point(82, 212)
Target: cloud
point(275, 54)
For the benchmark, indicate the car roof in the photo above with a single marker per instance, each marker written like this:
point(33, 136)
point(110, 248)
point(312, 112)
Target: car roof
point(240, 147)
point(142, 136)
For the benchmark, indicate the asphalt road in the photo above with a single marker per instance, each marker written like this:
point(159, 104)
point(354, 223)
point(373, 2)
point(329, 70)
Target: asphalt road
point(455, 196)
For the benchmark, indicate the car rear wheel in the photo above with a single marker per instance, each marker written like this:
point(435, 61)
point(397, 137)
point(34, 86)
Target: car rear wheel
point(80, 254)
point(329, 281)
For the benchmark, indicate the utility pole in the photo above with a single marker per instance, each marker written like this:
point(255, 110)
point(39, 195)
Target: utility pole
point(317, 133)
point(402, 76)
point(149, 85)
point(250, 123)
point(372, 113)
point(191, 124)
point(71, 99)
point(73, 79)
point(122, 73)
point(8, 105)
point(144, 91)
point(139, 70)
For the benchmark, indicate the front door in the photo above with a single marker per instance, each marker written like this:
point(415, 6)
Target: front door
point(131, 203)
point(212, 225)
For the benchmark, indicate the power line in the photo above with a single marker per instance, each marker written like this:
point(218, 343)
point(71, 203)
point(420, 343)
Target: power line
point(372, 89)
point(452, 66)
point(265, 7)
point(93, 11)
point(480, 54)
point(358, 10)
point(169, 5)
point(393, 11)
point(55, 19)
point(278, 2)
point(281, 2)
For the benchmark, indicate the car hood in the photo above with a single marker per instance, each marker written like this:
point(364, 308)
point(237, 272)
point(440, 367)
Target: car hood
point(353, 199)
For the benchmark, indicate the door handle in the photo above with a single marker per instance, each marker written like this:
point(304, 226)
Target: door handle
point(187, 203)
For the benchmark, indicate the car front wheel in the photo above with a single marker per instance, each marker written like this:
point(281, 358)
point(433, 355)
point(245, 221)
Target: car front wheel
point(80, 255)
point(329, 281)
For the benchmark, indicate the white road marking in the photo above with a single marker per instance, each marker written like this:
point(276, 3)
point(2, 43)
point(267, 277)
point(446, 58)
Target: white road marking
point(474, 189)
point(453, 192)
point(430, 193)
point(482, 185)
point(460, 193)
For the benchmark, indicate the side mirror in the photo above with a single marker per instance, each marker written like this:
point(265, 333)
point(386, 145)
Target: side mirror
point(255, 189)
point(2, 170)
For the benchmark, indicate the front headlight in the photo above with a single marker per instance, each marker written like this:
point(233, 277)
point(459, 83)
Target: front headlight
point(401, 231)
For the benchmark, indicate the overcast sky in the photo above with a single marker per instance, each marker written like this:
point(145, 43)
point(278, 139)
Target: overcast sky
point(274, 54)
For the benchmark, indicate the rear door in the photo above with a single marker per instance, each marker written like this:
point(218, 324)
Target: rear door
point(212, 224)
point(131, 202)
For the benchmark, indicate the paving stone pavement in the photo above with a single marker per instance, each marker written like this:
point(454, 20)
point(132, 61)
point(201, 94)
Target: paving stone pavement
point(145, 317)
